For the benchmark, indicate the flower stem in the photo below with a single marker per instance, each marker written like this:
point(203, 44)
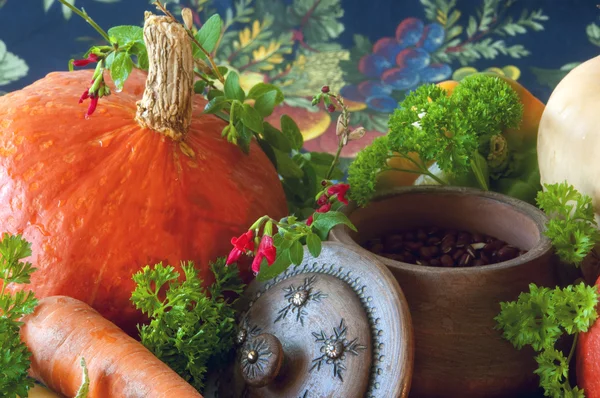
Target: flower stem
point(89, 20)
point(572, 352)
point(342, 141)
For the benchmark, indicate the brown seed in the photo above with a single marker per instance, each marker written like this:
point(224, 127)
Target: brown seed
point(465, 260)
point(492, 246)
point(447, 261)
point(413, 246)
point(433, 241)
point(421, 234)
point(394, 256)
point(464, 238)
point(433, 230)
point(434, 262)
point(458, 254)
point(428, 252)
point(409, 236)
point(469, 249)
point(394, 243)
point(478, 245)
point(477, 237)
point(477, 263)
point(485, 257)
point(507, 253)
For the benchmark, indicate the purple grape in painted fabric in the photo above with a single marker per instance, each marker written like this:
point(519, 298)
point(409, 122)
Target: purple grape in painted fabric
point(373, 65)
point(401, 79)
point(435, 73)
point(388, 47)
point(371, 88)
point(409, 31)
point(434, 35)
point(413, 59)
point(351, 92)
point(382, 103)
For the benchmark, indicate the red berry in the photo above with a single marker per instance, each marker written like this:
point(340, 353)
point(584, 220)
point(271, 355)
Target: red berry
point(324, 182)
point(325, 89)
point(331, 108)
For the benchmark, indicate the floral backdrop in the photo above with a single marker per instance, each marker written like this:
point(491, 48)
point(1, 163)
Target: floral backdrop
point(372, 51)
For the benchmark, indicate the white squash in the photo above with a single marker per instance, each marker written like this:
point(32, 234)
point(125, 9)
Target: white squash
point(569, 134)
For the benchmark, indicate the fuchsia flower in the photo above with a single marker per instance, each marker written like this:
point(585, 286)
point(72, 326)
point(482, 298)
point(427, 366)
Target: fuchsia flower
point(340, 190)
point(84, 62)
point(265, 250)
point(323, 209)
point(93, 102)
point(244, 243)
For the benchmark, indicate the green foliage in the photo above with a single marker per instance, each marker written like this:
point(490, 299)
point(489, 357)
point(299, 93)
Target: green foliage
point(208, 36)
point(593, 34)
point(190, 327)
point(14, 355)
point(539, 318)
point(483, 30)
point(551, 77)
point(572, 226)
point(453, 131)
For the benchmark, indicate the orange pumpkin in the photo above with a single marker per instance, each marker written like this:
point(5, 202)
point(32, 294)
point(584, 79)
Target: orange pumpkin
point(99, 198)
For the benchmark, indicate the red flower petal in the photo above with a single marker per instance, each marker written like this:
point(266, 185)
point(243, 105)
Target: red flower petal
point(84, 62)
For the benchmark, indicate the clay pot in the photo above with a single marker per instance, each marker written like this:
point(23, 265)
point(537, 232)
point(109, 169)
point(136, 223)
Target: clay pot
point(458, 353)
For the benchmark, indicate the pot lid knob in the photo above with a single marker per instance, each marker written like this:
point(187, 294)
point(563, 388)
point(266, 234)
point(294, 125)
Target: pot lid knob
point(261, 360)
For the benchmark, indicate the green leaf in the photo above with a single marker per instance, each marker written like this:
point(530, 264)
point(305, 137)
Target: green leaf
point(282, 262)
point(140, 51)
point(216, 104)
point(313, 242)
point(232, 87)
point(324, 222)
point(296, 253)
point(12, 68)
point(276, 138)
point(208, 35)
point(244, 137)
point(126, 34)
point(266, 103)
point(252, 119)
point(120, 69)
point(199, 87)
point(286, 167)
point(260, 89)
point(292, 132)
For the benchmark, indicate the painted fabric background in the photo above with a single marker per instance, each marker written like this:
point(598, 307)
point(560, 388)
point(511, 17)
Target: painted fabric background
point(373, 51)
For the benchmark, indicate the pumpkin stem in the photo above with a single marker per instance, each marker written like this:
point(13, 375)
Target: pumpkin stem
point(167, 103)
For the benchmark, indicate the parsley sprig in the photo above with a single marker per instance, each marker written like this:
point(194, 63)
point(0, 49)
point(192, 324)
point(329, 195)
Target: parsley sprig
point(539, 318)
point(572, 227)
point(14, 355)
point(542, 316)
point(461, 132)
point(190, 326)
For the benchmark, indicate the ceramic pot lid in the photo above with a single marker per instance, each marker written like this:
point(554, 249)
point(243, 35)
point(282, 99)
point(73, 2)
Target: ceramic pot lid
point(334, 326)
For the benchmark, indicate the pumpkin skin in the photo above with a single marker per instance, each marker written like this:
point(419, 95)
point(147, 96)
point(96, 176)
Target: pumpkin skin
point(100, 198)
point(588, 359)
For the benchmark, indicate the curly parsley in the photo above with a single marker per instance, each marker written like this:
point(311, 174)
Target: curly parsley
point(572, 227)
point(191, 327)
point(539, 318)
point(14, 355)
point(454, 131)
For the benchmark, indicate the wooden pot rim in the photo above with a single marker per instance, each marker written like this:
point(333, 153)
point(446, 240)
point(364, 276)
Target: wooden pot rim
point(341, 233)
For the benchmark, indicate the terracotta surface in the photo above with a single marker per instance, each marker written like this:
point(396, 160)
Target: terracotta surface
point(341, 324)
point(457, 351)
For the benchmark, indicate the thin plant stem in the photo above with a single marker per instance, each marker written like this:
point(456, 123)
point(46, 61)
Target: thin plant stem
point(87, 19)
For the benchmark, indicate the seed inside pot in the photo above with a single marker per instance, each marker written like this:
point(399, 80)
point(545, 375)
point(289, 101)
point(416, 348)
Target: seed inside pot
point(439, 247)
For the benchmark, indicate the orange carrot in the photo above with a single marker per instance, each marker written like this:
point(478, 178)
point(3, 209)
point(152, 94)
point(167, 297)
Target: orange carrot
point(62, 330)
